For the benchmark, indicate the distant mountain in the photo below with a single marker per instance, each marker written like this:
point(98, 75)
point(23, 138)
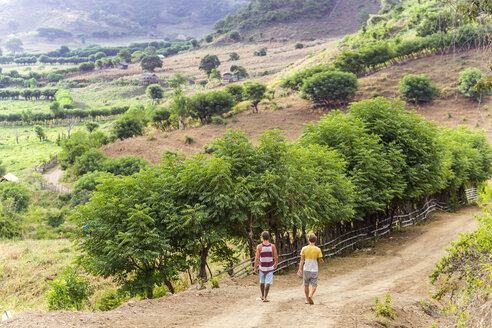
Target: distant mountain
point(64, 19)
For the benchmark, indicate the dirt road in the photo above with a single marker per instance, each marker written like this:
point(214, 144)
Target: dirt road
point(398, 265)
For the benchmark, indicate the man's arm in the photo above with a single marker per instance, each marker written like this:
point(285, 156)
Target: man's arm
point(320, 258)
point(299, 272)
point(257, 258)
point(276, 256)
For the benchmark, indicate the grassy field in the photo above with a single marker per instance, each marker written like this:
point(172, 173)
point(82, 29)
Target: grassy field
point(103, 94)
point(23, 69)
point(16, 106)
point(27, 266)
point(20, 158)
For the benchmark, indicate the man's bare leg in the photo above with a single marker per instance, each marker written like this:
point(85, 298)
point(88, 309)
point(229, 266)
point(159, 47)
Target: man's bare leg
point(262, 288)
point(306, 291)
point(267, 288)
point(313, 289)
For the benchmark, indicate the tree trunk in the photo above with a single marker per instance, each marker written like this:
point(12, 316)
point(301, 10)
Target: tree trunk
point(150, 293)
point(203, 262)
point(251, 242)
point(169, 286)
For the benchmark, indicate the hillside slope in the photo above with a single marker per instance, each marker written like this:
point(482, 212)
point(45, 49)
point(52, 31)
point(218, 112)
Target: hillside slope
point(450, 109)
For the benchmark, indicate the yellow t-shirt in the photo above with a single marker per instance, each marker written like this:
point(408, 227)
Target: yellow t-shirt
point(311, 256)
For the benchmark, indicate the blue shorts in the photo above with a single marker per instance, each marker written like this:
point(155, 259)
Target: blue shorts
point(266, 278)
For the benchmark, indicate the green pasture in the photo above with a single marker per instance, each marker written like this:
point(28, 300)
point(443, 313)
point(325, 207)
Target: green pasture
point(20, 158)
point(106, 94)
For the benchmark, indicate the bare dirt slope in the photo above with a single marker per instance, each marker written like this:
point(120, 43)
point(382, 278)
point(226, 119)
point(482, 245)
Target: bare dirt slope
point(398, 265)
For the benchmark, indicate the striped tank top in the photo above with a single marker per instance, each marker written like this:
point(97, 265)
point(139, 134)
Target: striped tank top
point(266, 258)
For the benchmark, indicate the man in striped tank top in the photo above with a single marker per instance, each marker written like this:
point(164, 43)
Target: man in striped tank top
point(267, 258)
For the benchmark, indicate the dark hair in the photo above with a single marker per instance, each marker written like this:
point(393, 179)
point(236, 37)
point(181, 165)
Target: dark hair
point(265, 235)
point(312, 238)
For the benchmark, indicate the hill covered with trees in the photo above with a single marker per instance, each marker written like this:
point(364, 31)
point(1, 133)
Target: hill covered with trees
point(65, 19)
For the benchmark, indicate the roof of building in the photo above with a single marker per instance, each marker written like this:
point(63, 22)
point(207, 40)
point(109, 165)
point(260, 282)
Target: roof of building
point(10, 177)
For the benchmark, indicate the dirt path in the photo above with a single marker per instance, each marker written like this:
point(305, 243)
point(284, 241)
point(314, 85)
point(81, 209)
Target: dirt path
point(398, 265)
point(54, 175)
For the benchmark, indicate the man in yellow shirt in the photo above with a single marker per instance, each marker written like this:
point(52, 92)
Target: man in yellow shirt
point(310, 255)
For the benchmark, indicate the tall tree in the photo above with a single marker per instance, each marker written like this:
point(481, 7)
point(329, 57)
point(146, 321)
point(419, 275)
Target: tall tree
point(155, 92)
point(255, 93)
point(14, 45)
point(150, 62)
point(209, 63)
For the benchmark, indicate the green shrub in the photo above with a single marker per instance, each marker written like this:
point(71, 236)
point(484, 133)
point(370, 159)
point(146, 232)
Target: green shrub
point(296, 80)
point(53, 77)
point(385, 309)
point(55, 218)
point(87, 66)
point(261, 53)
point(467, 82)
point(70, 291)
point(15, 195)
point(161, 118)
point(214, 282)
point(233, 56)
point(327, 87)
point(84, 187)
point(219, 120)
point(234, 35)
point(236, 90)
point(92, 160)
point(209, 149)
point(299, 45)
point(110, 300)
point(9, 227)
point(189, 140)
point(127, 127)
point(417, 88)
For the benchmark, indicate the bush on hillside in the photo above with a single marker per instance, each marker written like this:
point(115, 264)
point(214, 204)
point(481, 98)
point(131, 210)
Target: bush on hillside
point(213, 103)
point(233, 56)
point(236, 90)
point(110, 300)
point(85, 67)
point(296, 80)
point(234, 36)
point(417, 88)
point(328, 87)
point(161, 118)
point(70, 291)
point(79, 143)
point(464, 274)
point(91, 160)
point(14, 195)
point(127, 127)
point(468, 81)
point(84, 187)
point(261, 53)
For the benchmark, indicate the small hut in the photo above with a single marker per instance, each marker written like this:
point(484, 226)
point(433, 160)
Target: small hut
point(228, 77)
point(123, 65)
point(9, 177)
point(149, 78)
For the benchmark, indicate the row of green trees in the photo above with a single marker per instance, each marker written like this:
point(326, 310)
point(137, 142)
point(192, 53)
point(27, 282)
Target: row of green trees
point(28, 94)
point(324, 85)
point(144, 229)
point(57, 112)
point(370, 55)
point(201, 106)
